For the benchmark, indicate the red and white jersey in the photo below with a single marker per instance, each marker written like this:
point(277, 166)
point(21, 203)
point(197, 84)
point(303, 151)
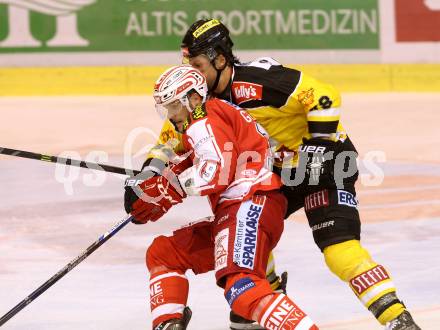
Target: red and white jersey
point(231, 157)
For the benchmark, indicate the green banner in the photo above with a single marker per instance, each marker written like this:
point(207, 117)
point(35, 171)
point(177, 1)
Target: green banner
point(158, 25)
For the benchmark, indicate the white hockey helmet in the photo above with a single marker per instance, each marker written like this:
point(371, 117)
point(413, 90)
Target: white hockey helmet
point(175, 84)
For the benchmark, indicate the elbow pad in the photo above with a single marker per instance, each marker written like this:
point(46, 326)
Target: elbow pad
point(199, 177)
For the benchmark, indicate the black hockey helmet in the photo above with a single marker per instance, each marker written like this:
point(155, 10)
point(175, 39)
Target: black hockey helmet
point(209, 37)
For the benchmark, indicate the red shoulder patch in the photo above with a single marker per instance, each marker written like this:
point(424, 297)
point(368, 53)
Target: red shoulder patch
point(245, 91)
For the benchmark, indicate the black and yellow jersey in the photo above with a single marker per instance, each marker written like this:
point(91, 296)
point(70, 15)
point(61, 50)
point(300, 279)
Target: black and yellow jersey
point(289, 104)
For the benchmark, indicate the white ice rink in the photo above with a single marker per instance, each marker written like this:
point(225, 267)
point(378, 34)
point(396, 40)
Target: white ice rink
point(42, 227)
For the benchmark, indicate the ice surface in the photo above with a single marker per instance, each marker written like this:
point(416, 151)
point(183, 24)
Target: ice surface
point(42, 228)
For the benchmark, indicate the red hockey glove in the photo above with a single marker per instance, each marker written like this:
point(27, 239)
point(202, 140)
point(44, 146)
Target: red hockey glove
point(158, 194)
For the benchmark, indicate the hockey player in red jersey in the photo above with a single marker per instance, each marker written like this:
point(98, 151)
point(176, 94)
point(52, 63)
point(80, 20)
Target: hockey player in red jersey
point(228, 162)
point(301, 115)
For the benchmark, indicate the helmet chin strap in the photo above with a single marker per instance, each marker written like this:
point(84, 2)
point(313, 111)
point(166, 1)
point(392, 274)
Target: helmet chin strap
point(217, 78)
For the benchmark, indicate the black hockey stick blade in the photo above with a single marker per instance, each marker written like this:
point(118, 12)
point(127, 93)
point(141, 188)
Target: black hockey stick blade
point(67, 161)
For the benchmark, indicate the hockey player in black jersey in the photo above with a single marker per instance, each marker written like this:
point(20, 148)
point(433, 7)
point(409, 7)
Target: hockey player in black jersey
point(301, 115)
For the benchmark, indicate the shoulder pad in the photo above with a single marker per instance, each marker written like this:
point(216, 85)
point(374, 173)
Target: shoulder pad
point(229, 103)
point(262, 62)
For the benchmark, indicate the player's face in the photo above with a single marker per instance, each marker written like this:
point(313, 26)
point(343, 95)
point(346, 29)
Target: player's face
point(177, 113)
point(204, 65)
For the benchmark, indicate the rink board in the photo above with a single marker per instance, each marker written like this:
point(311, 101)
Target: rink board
point(139, 80)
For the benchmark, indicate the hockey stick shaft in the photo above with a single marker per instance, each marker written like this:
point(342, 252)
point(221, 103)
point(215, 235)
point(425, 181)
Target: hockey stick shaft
point(100, 241)
point(66, 161)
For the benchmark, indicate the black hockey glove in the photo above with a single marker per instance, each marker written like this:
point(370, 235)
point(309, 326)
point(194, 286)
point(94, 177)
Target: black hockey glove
point(160, 155)
point(324, 163)
point(151, 167)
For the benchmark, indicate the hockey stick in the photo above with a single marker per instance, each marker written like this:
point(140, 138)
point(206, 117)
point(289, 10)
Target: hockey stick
point(101, 240)
point(67, 161)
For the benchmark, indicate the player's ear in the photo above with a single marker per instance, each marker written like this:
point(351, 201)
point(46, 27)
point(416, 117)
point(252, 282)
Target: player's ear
point(220, 62)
